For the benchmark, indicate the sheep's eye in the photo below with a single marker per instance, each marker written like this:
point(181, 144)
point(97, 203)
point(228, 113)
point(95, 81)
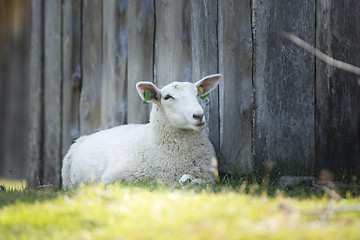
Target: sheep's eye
point(168, 97)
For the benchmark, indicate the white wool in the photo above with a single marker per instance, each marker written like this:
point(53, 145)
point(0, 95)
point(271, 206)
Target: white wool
point(172, 145)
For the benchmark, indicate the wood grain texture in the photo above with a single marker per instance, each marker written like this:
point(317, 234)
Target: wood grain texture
point(71, 67)
point(34, 161)
point(236, 92)
point(172, 55)
point(204, 49)
point(14, 48)
point(337, 91)
point(276, 102)
point(284, 87)
point(114, 74)
point(141, 30)
point(52, 93)
point(3, 84)
point(90, 99)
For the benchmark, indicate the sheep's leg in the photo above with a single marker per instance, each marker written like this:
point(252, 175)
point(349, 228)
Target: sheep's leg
point(187, 178)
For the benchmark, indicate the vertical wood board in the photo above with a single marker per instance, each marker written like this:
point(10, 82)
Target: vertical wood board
point(90, 99)
point(2, 84)
point(5, 51)
point(172, 33)
point(205, 60)
point(114, 74)
point(236, 92)
point(14, 24)
point(52, 92)
point(186, 37)
point(141, 30)
point(284, 87)
point(71, 68)
point(337, 91)
point(34, 165)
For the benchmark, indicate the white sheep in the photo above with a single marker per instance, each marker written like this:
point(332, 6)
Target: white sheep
point(172, 147)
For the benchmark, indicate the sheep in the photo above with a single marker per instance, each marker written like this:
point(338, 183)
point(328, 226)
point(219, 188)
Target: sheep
point(172, 147)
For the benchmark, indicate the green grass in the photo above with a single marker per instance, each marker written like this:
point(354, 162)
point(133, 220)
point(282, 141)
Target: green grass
point(151, 210)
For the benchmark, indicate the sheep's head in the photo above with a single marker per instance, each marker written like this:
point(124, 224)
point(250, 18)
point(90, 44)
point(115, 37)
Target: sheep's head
point(180, 101)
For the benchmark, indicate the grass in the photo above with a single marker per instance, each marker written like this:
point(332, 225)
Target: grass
point(13, 184)
point(152, 210)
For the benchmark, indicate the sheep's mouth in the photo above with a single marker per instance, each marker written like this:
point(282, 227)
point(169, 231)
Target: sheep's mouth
point(201, 124)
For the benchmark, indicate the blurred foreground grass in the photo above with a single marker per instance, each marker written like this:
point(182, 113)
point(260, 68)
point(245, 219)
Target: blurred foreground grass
point(13, 184)
point(152, 210)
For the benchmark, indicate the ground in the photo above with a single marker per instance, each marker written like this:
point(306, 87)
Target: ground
point(153, 210)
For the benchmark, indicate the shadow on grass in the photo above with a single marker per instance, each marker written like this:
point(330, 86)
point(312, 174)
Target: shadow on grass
point(12, 193)
point(228, 183)
point(242, 184)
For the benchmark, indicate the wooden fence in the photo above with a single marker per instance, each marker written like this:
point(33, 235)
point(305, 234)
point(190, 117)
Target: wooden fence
point(14, 83)
point(277, 104)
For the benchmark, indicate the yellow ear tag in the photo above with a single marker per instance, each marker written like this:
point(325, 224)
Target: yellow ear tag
point(200, 90)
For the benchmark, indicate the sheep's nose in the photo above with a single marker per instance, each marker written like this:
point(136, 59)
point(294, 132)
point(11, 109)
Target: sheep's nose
point(198, 117)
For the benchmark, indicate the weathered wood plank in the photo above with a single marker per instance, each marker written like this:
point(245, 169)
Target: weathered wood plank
point(141, 30)
point(4, 80)
point(172, 61)
point(34, 165)
point(236, 92)
point(337, 91)
point(90, 100)
point(71, 67)
point(186, 45)
point(186, 38)
point(205, 60)
point(114, 74)
point(52, 93)
point(284, 87)
point(2, 84)
point(14, 24)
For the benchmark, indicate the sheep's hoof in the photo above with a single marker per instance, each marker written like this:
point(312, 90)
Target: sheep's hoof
point(187, 178)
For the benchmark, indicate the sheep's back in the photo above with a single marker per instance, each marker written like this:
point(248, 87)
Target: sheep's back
point(106, 151)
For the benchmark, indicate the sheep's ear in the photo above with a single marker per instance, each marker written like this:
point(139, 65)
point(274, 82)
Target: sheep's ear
point(154, 95)
point(207, 84)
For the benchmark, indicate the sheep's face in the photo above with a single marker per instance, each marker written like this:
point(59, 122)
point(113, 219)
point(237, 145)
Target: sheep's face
point(180, 101)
